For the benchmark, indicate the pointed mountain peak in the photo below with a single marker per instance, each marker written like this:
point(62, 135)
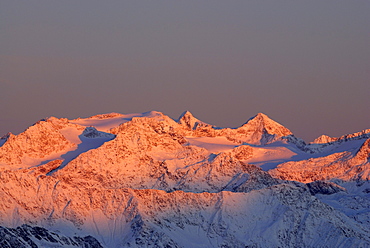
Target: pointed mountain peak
point(263, 122)
point(189, 121)
point(323, 139)
point(260, 117)
point(186, 114)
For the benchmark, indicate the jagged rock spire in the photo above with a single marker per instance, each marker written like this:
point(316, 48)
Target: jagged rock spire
point(188, 120)
point(262, 122)
point(261, 130)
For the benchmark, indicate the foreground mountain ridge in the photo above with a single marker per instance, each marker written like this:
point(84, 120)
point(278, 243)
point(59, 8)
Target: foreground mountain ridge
point(140, 180)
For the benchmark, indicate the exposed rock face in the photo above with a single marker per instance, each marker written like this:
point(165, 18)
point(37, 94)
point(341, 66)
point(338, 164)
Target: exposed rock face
point(263, 130)
point(326, 143)
point(363, 154)
point(326, 188)
point(189, 122)
point(146, 180)
point(38, 141)
point(124, 217)
point(91, 132)
point(26, 236)
point(342, 165)
point(323, 139)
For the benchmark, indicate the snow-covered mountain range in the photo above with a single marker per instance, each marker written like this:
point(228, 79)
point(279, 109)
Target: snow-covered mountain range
point(146, 180)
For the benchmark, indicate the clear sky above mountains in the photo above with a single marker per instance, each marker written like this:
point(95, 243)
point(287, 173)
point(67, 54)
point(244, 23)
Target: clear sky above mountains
point(306, 64)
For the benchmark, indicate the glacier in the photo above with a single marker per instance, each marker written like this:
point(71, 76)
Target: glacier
point(147, 180)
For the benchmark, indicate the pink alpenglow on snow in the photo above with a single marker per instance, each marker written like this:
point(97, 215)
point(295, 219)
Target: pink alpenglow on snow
point(143, 180)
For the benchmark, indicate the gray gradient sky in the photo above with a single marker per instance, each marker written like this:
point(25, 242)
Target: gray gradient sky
point(306, 64)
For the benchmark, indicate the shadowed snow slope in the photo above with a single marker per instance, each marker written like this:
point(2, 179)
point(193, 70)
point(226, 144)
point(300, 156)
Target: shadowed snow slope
point(146, 180)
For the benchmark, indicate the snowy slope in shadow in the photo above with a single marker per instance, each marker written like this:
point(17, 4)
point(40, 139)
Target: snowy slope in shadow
point(89, 139)
point(146, 180)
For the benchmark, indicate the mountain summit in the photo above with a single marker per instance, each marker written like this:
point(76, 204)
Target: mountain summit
point(146, 180)
point(187, 120)
point(262, 130)
point(263, 124)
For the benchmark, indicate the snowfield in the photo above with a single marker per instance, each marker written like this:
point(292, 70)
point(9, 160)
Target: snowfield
point(146, 180)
